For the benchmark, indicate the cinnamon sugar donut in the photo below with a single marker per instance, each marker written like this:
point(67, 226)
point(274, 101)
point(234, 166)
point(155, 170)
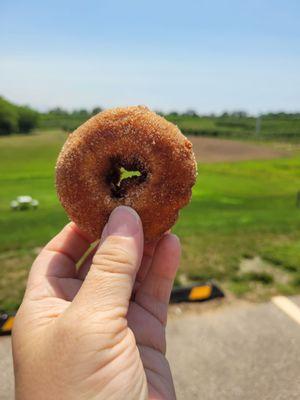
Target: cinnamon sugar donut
point(88, 170)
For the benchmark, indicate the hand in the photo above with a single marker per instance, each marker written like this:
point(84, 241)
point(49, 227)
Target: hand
point(97, 332)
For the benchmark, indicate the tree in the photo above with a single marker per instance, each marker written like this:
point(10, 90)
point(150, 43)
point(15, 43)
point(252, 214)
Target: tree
point(224, 115)
point(27, 119)
point(58, 111)
point(240, 114)
point(96, 110)
point(14, 119)
point(8, 117)
point(191, 113)
point(80, 113)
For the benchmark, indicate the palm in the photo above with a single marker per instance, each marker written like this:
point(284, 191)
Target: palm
point(147, 312)
point(150, 335)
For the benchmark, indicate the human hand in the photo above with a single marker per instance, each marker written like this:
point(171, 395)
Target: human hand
point(97, 332)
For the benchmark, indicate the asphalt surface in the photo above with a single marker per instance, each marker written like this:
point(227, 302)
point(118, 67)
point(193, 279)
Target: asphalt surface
point(243, 351)
point(6, 369)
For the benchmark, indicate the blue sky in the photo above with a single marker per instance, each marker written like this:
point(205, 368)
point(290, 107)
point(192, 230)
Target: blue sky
point(206, 55)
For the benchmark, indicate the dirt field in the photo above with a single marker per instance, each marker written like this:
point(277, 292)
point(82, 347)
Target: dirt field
point(223, 150)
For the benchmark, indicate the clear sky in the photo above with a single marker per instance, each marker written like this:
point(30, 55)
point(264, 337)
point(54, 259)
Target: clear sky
point(208, 55)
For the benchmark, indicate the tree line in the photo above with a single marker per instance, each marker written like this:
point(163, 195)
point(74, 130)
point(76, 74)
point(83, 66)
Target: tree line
point(23, 119)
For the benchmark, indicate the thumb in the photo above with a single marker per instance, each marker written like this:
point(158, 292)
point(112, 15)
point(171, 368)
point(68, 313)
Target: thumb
point(109, 282)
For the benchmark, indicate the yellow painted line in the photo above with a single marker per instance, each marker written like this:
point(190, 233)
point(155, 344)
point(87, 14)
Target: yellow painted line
point(288, 307)
point(200, 292)
point(8, 324)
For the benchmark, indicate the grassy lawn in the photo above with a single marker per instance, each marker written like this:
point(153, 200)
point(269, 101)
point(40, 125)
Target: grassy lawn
point(242, 227)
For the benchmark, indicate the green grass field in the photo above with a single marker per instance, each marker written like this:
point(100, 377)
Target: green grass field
point(242, 227)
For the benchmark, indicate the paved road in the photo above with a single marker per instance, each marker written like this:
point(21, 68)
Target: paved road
point(6, 369)
point(242, 351)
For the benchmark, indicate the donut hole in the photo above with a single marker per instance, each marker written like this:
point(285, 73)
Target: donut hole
point(123, 175)
point(128, 174)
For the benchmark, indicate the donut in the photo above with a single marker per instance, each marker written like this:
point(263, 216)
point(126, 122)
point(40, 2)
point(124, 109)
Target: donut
point(90, 166)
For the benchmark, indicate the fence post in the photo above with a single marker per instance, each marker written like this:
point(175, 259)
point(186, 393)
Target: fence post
point(258, 125)
point(298, 199)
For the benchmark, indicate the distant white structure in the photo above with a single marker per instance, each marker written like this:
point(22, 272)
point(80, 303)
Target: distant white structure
point(24, 203)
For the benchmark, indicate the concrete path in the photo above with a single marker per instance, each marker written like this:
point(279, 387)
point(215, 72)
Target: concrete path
point(6, 369)
point(238, 352)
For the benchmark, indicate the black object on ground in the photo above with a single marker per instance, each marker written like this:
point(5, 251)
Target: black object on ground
point(196, 293)
point(6, 323)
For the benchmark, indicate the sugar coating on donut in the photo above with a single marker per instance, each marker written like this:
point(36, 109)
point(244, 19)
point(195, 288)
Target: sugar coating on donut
point(88, 171)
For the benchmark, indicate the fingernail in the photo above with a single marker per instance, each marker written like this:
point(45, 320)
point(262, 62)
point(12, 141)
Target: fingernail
point(123, 221)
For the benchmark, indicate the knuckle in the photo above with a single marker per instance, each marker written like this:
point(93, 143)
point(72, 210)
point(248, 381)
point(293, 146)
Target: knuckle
point(114, 257)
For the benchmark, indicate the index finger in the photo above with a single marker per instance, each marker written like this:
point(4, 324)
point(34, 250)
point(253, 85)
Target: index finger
point(59, 257)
